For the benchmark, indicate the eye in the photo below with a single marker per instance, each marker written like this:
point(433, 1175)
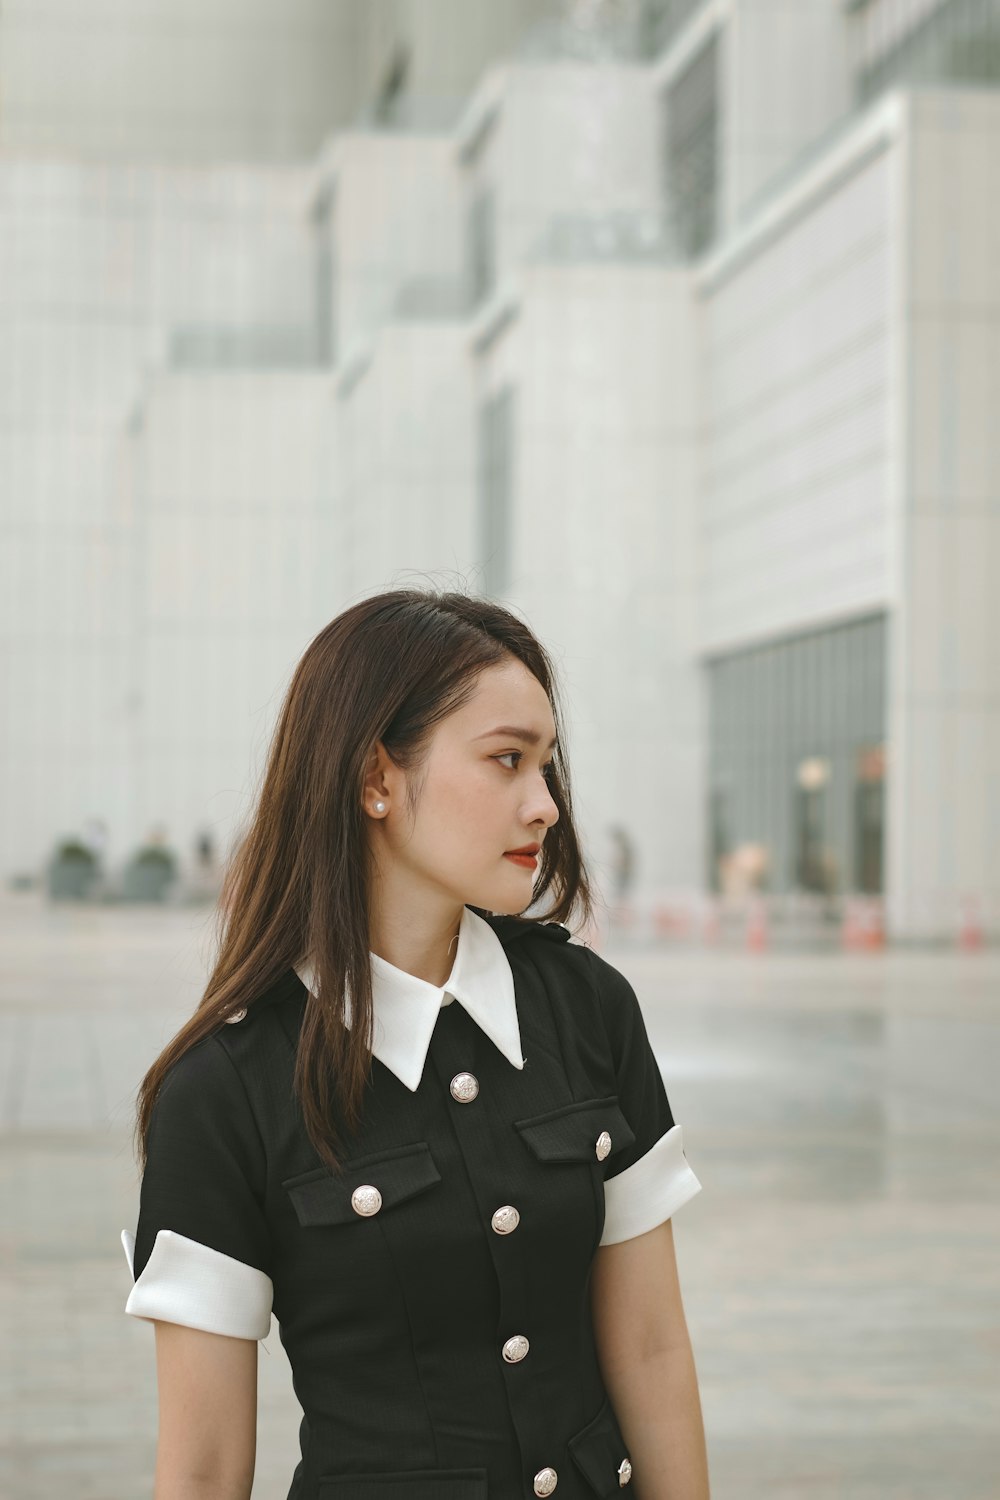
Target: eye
point(548, 770)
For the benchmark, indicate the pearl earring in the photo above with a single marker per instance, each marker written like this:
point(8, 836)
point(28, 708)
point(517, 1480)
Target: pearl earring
point(380, 807)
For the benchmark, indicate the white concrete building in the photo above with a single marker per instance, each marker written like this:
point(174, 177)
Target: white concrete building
point(681, 332)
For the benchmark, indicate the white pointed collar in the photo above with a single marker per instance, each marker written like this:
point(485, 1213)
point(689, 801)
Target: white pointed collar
point(406, 1008)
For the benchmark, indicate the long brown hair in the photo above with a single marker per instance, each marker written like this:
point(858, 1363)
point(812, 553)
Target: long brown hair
point(297, 883)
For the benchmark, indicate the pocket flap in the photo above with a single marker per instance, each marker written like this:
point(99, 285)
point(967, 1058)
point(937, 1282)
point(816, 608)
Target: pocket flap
point(571, 1133)
point(454, 1484)
point(600, 1454)
point(320, 1196)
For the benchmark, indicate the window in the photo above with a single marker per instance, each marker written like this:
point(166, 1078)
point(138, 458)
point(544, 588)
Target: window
point(959, 41)
point(719, 842)
point(660, 21)
point(868, 819)
point(495, 489)
point(812, 871)
point(326, 305)
point(797, 760)
point(482, 245)
point(691, 166)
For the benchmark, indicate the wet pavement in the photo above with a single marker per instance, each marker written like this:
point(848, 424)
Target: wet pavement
point(841, 1267)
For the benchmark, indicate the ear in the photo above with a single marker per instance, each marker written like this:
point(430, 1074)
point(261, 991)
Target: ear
point(381, 776)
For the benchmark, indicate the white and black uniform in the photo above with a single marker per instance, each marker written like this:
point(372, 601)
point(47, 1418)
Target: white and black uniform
point(432, 1295)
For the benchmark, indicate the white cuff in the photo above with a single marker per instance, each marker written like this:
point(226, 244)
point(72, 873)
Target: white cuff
point(648, 1191)
point(186, 1282)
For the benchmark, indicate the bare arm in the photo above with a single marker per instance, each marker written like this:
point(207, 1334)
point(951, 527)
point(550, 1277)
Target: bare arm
point(207, 1384)
point(648, 1366)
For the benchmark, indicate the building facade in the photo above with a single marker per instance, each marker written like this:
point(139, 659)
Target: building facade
point(680, 331)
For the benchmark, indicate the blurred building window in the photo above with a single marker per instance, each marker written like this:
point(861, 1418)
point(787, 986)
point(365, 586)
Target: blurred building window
point(218, 346)
point(389, 104)
point(482, 244)
point(692, 146)
point(957, 41)
point(495, 468)
point(661, 20)
point(796, 767)
point(869, 813)
point(812, 871)
point(326, 271)
point(718, 835)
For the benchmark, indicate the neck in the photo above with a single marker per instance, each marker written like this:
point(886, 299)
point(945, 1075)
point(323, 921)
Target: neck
point(421, 938)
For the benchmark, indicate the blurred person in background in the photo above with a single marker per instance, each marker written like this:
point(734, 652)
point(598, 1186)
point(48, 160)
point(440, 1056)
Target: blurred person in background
point(622, 862)
point(205, 873)
point(400, 1105)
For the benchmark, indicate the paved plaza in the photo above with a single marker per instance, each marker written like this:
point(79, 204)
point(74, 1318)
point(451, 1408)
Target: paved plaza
point(841, 1267)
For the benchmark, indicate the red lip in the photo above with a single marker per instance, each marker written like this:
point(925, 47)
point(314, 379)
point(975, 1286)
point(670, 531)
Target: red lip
point(527, 849)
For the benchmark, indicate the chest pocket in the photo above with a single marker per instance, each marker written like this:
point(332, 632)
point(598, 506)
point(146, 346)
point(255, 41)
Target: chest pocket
point(590, 1130)
point(364, 1187)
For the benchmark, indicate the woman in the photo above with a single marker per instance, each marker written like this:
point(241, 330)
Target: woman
point(427, 1133)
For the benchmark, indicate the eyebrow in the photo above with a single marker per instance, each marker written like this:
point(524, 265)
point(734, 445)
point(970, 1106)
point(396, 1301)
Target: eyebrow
point(529, 736)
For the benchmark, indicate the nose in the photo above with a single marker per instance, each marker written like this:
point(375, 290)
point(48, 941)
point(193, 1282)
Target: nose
point(542, 808)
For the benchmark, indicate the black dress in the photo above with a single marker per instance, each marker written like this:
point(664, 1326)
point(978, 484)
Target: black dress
point(433, 1296)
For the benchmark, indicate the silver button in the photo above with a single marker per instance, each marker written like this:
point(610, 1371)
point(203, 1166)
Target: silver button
point(603, 1145)
point(464, 1087)
point(237, 1015)
point(624, 1473)
point(366, 1200)
point(515, 1349)
point(545, 1481)
point(505, 1219)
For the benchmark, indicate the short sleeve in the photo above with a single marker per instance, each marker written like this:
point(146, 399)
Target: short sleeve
point(650, 1179)
point(201, 1254)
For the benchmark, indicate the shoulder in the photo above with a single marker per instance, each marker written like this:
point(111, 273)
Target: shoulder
point(585, 971)
point(203, 1108)
point(551, 945)
point(201, 1085)
point(259, 1028)
point(614, 989)
point(204, 1064)
point(518, 929)
point(545, 945)
point(213, 1073)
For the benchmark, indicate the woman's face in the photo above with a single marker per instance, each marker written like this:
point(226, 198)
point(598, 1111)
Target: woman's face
point(482, 792)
